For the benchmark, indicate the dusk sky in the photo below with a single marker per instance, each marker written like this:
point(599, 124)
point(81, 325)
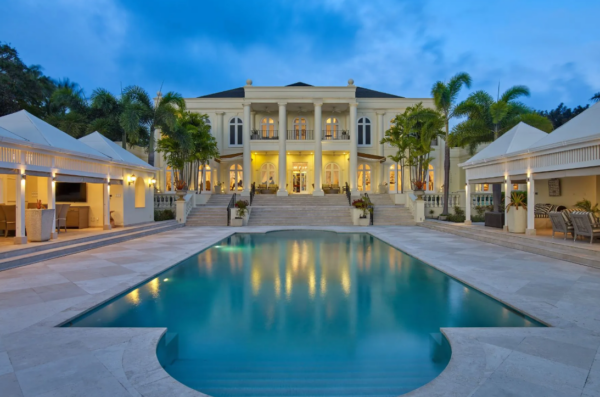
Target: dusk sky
point(401, 47)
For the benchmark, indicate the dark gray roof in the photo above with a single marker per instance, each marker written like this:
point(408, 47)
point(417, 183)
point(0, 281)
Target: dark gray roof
point(360, 92)
point(367, 93)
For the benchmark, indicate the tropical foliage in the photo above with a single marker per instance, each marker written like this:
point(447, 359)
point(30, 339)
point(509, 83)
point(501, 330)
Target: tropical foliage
point(412, 133)
point(445, 96)
point(562, 114)
point(596, 97)
point(586, 205)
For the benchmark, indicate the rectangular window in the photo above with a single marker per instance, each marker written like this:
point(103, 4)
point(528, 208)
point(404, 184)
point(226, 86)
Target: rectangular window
point(240, 133)
point(368, 134)
point(232, 134)
point(360, 134)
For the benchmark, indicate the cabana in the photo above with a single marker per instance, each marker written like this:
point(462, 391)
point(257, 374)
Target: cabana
point(94, 175)
point(560, 168)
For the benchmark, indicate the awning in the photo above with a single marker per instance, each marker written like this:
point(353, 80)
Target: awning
point(79, 179)
point(381, 159)
point(229, 156)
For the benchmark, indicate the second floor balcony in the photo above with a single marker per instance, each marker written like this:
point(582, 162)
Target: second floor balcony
point(264, 135)
point(300, 135)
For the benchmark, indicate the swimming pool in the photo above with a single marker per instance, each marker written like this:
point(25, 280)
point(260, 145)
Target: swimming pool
point(303, 313)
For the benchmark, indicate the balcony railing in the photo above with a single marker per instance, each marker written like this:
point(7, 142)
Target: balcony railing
point(300, 135)
point(264, 135)
point(337, 135)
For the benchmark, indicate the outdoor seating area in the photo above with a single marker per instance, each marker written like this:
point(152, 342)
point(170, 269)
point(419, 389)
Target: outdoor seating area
point(332, 189)
point(263, 188)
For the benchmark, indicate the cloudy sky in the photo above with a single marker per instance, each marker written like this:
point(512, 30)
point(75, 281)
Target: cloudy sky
point(396, 46)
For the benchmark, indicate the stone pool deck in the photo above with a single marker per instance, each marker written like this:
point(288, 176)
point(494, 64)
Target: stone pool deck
point(38, 359)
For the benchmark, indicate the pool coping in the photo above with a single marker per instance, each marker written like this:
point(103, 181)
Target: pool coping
point(143, 370)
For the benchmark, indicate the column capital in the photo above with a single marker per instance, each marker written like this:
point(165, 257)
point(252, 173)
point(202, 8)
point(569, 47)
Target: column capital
point(380, 113)
point(246, 103)
point(318, 102)
point(219, 113)
point(353, 104)
point(282, 103)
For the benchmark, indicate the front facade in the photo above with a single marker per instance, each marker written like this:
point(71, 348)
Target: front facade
point(303, 139)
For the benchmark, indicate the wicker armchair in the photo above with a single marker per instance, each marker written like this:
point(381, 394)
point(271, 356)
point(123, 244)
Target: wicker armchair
point(9, 213)
point(61, 216)
point(584, 227)
point(559, 224)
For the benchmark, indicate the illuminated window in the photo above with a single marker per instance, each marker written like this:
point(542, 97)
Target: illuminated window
point(332, 174)
point(170, 180)
point(235, 132)
point(430, 179)
point(299, 129)
point(267, 174)
point(207, 177)
point(140, 193)
point(364, 178)
point(364, 131)
point(393, 186)
point(267, 128)
point(236, 176)
point(516, 186)
point(486, 187)
point(332, 127)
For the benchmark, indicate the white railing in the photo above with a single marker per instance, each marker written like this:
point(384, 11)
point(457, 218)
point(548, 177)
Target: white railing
point(164, 201)
point(9, 155)
point(436, 200)
point(184, 207)
point(481, 199)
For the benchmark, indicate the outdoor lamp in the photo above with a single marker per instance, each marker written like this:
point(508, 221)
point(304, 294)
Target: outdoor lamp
point(153, 181)
point(23, 176)
point(132, 179)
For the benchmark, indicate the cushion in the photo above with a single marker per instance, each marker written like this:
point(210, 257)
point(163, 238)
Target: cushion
point(567, 217)
point(542, 210)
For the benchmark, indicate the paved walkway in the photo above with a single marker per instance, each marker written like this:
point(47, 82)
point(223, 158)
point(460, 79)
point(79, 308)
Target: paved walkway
point(37, 359)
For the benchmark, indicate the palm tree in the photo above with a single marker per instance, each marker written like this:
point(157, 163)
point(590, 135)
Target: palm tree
point(596, 97)
point(164, 115)
point(67, 108)
point(444, 97)
point(487, 119)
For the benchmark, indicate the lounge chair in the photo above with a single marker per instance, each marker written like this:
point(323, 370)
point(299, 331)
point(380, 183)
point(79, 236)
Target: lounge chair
point(10, 218)
point(584, 225)
point(61, 216)
point(559, 224)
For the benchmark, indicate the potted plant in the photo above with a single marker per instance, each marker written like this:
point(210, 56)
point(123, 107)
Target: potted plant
point(180, 188)
point(431, 212)
point(240, 213)
point(419, 188)
point(219, 188)
point(38, 223)
point(517, 218)
point(362, 211)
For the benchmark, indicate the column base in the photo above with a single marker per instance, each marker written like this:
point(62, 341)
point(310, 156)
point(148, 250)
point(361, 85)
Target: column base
point(54, 236)
point(505, 228)
point(282, 193)
point(20, 240)
point(107, 227)
point(468, 222)
point(318, 192)
point(530, 232)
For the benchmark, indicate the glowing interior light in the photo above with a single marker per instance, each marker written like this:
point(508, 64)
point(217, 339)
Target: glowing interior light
point(166, 279)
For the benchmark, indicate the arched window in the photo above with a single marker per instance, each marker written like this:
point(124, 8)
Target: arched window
point(430, 179)
point(170, 180)
point(267, 175)
point(332, 174)
point(206, 186)
point(393, 186)
point(364, 178)
point(332, 127)
point(299, 128)
point(267, 127)
point(140, 193)
point(235, 131)
point(364, 131)
point(236, 177)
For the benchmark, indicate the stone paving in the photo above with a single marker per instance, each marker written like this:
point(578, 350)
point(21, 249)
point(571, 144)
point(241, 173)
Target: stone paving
point(38, 359)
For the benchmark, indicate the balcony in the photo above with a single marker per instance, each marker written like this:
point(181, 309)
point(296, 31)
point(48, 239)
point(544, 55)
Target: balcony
point(264, 135)
point(300, 135)
point(336, 135)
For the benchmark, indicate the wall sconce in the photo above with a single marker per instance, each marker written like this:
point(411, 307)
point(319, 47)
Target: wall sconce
point(153, 182)
point(23, 176)
point(505, 180)
point(131, 179)
point(53, 178)
point(527, 179)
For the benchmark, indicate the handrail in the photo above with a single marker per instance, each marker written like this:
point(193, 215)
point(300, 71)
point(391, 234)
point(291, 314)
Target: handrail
point(252, 192)
point(229, 207)
point(165, 200)
point(336, 135)
point(348, 194)
point(370, 207)
point(266, 135)
point(300, 135)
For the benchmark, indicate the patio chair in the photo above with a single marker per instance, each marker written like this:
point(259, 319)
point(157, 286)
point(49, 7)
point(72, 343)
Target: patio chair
point(10, 218)
point(583, 224)
point(61, 217)
point(559, 225)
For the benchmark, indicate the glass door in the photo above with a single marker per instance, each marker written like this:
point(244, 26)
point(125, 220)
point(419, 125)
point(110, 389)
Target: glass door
point(300, 178)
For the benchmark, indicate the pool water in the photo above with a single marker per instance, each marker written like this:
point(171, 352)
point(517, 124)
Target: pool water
point(303, 313)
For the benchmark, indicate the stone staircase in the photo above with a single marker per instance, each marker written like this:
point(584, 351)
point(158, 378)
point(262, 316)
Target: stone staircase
point(38, 252)
point(300, 210)
point(386, 213)
point(581, 253)
point(213, 213)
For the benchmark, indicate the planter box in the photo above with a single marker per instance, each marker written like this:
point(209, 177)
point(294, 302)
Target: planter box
point(364, 221)
point(218, 189)
point(237, 222)
point(494, 219)
point(38, 224)
point(517, 220)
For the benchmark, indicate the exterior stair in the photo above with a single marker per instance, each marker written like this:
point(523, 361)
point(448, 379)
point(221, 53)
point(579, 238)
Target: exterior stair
point(386, 213)
point(300, 210)
point(34, 253)
point(581, 254)
point(213, 213)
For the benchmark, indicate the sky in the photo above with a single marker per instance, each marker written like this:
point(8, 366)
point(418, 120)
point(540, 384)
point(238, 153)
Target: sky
point(398, 46)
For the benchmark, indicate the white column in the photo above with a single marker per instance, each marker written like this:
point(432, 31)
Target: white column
point(52, 204)
point(106, 205)
point(247, 159)
point(318, 165)
point(20, 209)
point(381, 150)
point(507, 191)
point(467, 203)
point(353, 150)
point(282, 153)
point(530, 206)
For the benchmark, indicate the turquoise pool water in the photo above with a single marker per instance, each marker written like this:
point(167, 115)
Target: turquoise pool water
point(303, 313)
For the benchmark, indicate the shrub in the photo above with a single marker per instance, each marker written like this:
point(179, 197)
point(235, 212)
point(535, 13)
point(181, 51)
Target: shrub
point(456, 218)
point(242, 207)
point(478, 218)
point(163, 215)
point(481, 209)
point(458, 211)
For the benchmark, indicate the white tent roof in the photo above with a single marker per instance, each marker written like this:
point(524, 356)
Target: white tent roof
point(586, 124)
point(521, 136)
point(37, 131)
point(7, 134)
point(111, 149)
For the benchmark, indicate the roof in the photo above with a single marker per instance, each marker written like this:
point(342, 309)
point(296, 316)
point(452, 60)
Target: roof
point(33, 130)
point(372, 157)
point(7, 134)
point(520, 137)
point(586, 124)
point(360, 92)
point(107, 147)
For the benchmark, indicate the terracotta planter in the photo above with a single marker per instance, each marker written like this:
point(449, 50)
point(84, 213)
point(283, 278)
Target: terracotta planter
point(517, 220)
point(38, 224)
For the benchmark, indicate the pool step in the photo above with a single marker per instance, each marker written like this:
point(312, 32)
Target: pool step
point(34, 254)
point(581, 253)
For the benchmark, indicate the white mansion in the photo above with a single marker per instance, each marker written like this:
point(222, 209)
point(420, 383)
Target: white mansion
point(303, 139)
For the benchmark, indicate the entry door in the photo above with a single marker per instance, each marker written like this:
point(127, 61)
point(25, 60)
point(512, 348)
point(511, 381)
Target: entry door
point(299, 182)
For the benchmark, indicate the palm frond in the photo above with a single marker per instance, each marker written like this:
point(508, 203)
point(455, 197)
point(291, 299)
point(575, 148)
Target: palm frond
point(515, 92)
